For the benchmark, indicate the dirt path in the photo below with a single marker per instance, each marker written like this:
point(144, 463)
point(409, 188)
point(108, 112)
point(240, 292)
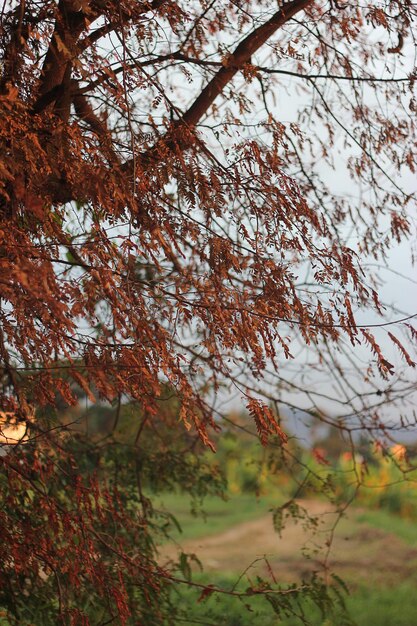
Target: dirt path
point(358, 551)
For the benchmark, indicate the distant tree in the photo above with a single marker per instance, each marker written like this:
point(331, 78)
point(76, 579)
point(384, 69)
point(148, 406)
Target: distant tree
point(170, 219)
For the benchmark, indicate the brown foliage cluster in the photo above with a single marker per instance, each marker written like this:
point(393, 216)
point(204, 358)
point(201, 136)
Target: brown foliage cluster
point(154, 238)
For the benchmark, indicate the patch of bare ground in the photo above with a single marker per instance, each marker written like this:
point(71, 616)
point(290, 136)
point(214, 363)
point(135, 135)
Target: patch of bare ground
point(357, 552)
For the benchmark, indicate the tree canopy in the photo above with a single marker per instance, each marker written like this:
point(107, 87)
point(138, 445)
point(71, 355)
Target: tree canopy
point(194, 201)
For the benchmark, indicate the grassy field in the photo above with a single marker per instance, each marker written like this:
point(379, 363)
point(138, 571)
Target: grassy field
point(214, 515)
point(405, 529)
point(366, 607)
point(375, 553)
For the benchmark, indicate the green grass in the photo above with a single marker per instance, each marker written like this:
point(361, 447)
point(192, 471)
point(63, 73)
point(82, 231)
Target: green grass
point(215, 515)
point(365, 607)
point(390, 523)
point(368, 605)
point(384, 607)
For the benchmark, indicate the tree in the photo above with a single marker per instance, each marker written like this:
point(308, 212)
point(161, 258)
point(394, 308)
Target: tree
point(166, 225)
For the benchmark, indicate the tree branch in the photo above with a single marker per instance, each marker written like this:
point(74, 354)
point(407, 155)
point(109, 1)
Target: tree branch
point(239, 58)
point(215, 87)
point(107, 28)
point(85, 112)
